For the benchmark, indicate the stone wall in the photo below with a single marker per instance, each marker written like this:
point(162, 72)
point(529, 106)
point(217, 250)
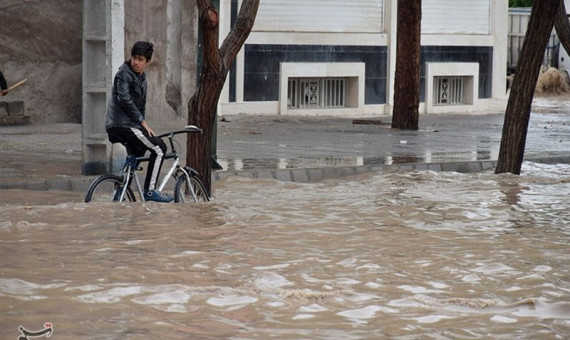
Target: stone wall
point(171, 25)
point(42, 41)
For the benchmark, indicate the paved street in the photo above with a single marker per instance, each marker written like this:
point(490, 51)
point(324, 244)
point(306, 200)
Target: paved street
point(266, 146)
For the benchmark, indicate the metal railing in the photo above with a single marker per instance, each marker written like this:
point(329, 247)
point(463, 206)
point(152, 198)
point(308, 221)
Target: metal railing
point(312, 93)
point(449, 90)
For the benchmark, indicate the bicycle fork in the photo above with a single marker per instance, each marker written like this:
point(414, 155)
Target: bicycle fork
point(129, 170)
point(186, 173)
point(176, 167)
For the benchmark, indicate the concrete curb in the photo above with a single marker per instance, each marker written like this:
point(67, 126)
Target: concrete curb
point(309, 175)
point(299, 175)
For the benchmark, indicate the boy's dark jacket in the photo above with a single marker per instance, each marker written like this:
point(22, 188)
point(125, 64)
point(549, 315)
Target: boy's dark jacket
point(128, 99)
point(3, 84)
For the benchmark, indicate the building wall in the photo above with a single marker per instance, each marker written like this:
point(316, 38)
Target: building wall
point(261, 74)
point(339, 16)
point(462, 31)
point(171, 25)
point(483, 55)
point(41, 41)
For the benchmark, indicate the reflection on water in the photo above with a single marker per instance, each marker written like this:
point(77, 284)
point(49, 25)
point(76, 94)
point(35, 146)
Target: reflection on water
point(484, 151)
point(385, 255)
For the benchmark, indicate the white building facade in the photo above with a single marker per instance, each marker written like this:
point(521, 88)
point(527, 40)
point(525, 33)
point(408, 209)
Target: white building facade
point(337, 57)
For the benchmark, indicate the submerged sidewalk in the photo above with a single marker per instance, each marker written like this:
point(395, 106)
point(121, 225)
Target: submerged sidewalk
point(300, 149)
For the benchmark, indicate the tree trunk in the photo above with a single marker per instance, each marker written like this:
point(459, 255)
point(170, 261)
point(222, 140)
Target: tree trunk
point(517, 116)
point(216, 64)
point(407, 79)
point(562, 26)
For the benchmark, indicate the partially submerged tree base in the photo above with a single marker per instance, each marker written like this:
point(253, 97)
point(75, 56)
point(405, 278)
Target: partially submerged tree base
point(517, 115)
point(216, 64)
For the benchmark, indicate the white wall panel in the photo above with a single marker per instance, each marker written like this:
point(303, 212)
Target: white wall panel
point(456, 16)
point(354, 16)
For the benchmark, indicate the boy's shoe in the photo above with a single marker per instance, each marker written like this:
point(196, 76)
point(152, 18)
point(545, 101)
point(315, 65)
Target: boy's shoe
point(157, 196)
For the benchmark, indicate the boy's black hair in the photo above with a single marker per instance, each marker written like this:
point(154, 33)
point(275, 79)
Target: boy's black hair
point(143, 48)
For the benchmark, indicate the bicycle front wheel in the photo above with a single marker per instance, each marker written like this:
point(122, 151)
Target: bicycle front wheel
point(107, 188)
point(190, 191)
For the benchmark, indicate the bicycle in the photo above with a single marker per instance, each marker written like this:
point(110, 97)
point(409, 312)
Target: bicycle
point(117, 187)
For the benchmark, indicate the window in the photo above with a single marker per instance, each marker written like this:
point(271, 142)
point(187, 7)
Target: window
point(449, 91)
point(316, 93)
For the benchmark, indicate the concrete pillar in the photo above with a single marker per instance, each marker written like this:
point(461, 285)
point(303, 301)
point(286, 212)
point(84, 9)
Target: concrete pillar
point(391, 28)
point(500, 32)
point(103, 53)
point(174, 55)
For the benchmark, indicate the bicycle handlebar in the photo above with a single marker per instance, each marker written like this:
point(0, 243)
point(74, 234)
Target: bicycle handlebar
point(170, 135)
point(187, 129)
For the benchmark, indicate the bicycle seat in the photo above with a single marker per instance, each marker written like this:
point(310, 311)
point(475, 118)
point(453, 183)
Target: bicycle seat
point(192, 128)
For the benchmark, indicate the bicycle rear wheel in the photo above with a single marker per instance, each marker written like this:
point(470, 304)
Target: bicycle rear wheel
point(107, 188)
point(193, 191)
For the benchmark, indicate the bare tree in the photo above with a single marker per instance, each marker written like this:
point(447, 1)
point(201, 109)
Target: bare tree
point(562, 26)
point(517, 115)
point(216, 63)
point(407, 78)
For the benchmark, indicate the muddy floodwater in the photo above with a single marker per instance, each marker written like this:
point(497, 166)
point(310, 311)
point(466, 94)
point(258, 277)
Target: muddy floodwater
point(410, 255)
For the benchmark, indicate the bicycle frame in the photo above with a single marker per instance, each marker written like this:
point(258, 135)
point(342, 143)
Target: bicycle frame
point(132, 165)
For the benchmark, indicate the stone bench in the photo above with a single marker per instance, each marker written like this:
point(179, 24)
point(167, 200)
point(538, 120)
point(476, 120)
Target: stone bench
point(13, 113)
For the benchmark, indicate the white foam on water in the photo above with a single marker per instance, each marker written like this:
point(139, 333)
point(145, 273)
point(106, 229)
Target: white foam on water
point(135, 242)
point(231, 300)
point(112, 295)
point(313, 308)
point(174, 297)
point(277, 266)
point(405, 302)
point(471, 278)
point(493, 268)
point(84, 288)
point(25, 225)
point(347, 281)
point(373, 285)
point(369, 266)
point(271, 281)
point(187, 253)
point(542, 268)
point(419, 289)
point(350, 262)
point(502, 319)
point(174, 308)
point(21, 287)
point(276, 304)
point(367, 312)
point(438, 285)
point(6, 225)
point(432, 318)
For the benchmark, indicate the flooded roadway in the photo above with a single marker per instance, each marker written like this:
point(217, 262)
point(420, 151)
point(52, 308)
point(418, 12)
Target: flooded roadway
point(385, 255)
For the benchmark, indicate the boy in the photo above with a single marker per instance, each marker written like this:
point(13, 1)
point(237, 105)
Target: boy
point(3, 84)
point(126, 117)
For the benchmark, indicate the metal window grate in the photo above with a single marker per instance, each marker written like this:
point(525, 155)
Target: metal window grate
point(311, 93)
point(449, 90)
